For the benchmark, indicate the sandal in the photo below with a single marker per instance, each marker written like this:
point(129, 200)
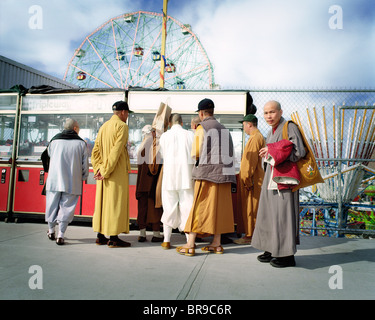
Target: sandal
point(116, 242)
point(51, 236)
point(187, 251)
point(102, 240)
point(212, 249)
point(166, 245)
point(243, 240)
point(60, 241)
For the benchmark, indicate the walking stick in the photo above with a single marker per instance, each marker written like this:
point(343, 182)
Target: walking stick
point(319, 140)
point(313, 137)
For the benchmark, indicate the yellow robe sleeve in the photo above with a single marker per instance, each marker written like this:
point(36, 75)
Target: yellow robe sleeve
point(107, 166)
point(126, 148)
point(197, 143)
point(120, 144)
point(96, 158)
point(250, 160)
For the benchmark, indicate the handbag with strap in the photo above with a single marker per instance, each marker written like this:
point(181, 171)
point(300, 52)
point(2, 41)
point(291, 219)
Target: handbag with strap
point(307, 166)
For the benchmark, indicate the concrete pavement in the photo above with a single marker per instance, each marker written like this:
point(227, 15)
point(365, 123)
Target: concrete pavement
point(33, 267)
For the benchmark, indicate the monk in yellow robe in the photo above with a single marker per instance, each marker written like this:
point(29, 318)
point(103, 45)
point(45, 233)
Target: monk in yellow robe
point(214, 173)
point(111, 164)
point(250, 180)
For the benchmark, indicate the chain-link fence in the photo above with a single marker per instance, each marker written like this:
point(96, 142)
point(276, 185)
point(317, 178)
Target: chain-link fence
point(340, 126)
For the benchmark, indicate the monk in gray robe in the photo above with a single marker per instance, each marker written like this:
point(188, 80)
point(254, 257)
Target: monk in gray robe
point(68, 167)
point(277, 227)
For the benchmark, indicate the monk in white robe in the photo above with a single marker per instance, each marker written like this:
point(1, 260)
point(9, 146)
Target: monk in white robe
point(177, 184)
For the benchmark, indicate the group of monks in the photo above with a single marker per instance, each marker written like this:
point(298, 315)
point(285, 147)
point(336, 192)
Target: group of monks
point(196, 174)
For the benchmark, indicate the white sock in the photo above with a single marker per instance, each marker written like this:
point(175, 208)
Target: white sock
point(51, 227)
point(143, 232)
point(157, 234)
point(63, 225)
point(167, 231)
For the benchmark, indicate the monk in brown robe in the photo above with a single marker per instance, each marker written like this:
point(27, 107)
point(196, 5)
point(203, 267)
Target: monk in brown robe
point(148, 174)
point(214, 173)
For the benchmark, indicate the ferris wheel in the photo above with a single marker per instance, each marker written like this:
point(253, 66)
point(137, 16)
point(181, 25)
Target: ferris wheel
point(126, 52)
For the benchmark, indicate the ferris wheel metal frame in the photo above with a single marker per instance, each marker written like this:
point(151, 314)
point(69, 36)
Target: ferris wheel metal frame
point(125, 52)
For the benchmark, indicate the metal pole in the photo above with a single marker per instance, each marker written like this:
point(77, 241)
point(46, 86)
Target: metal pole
point(13, 168)
point(339, 196)
point(163, 40)
point(345, 159)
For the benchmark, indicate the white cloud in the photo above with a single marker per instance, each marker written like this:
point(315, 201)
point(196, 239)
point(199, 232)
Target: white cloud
point(64, 22)
point(284, 44)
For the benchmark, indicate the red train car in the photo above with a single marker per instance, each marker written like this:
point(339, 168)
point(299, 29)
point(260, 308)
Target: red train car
point(9, 103)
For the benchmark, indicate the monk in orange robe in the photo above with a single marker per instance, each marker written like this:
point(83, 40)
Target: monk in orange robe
point(250, 180)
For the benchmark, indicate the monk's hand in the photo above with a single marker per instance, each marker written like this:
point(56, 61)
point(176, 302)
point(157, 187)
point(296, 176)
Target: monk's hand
point(98, 176)
point(263, 152)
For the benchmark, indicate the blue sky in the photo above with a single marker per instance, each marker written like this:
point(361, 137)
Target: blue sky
point(251, 43)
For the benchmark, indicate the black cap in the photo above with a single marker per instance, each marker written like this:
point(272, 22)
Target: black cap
point(121, 105)
point(205, 104)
